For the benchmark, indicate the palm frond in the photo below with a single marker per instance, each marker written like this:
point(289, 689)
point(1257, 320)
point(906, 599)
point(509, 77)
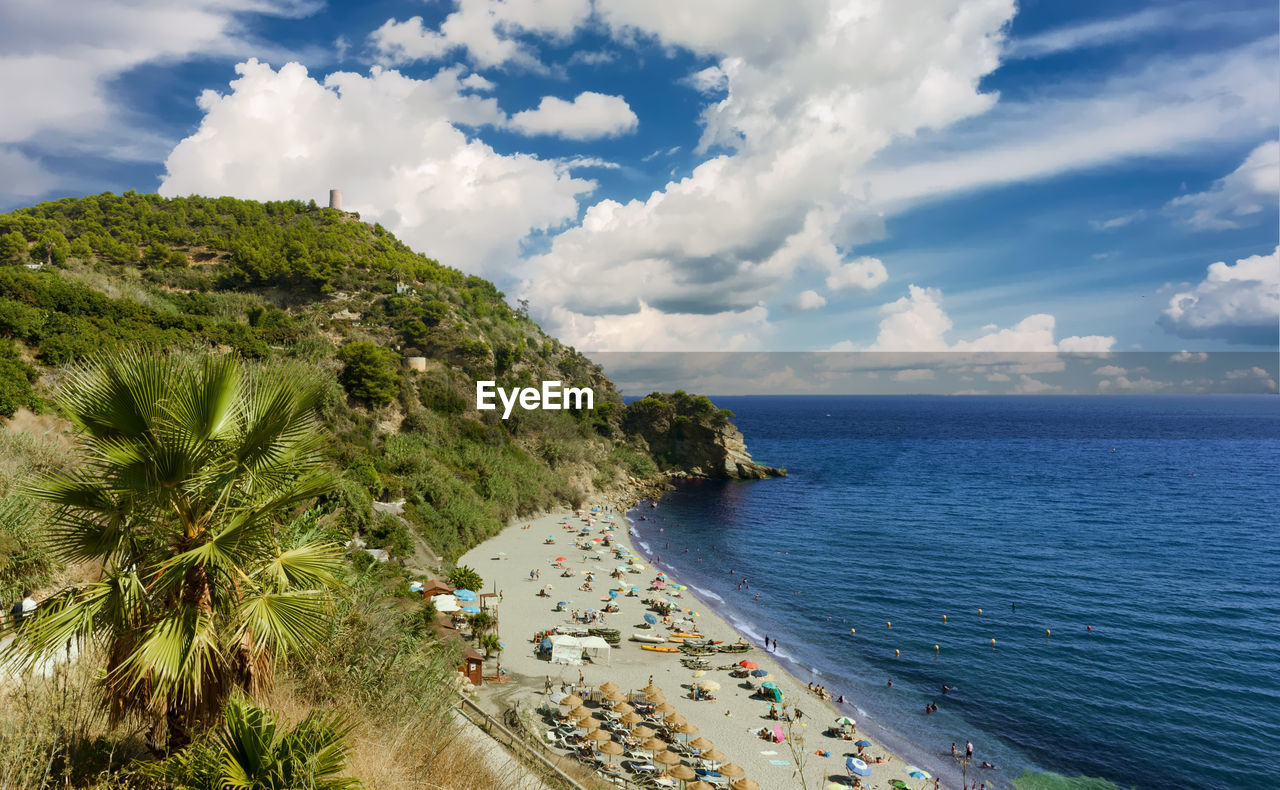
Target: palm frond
point(286, 620)
point(207, 407)
point(56, 625)
point(312, 565)
point(175, 654)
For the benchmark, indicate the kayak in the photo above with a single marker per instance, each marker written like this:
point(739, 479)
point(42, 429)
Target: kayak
point(660, 648)
point(652, 639)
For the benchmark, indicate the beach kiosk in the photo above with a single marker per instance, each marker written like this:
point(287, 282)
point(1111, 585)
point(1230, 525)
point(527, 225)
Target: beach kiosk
point(436, 587)
point(472, 666)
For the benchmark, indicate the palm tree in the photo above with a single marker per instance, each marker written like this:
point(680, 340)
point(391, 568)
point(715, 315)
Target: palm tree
point(491, 643)
point(190, 466)
point(249, 753)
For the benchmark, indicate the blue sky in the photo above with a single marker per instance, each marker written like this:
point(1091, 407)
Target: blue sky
point(971, 175)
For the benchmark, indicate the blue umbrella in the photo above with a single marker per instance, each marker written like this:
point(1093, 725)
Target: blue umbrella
point(916, 773)
point(857, 766)
point(613, 593)
point(464, 595)
point(769, 684)
point(863, 744)
point(563, 603)
point(470, 610)
point(759, 673)
point(651, 619)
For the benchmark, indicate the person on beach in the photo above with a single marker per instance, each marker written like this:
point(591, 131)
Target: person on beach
point(968, 750)
point(546, 688)
point(23, 610)
point(954, 755)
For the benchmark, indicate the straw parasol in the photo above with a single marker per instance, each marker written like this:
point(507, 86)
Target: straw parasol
point(699, 673)
point(609, 687)
point(664, 709)
point(684, 773)
point(699, 785)
point(642, 732)
point(731, 770)
point(713, 756)
point(589, 723)
point(656, 698)
point(709, 685)
point(630, 718)
point(599, 735)
point(701, 743)
point(745, 784)
point(667, 758)
point(580, 711)
point(654, 745)
point(675, 720)
point(651, 689)
point(614, 696)
point(622, 708)
point(687, 729)
point(571, 701)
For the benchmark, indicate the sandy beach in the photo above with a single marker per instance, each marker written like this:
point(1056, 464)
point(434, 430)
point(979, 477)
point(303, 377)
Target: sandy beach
point(731, 721)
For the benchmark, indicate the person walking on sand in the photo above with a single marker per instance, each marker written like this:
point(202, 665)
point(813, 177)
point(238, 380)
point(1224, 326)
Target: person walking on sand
point(546, 687)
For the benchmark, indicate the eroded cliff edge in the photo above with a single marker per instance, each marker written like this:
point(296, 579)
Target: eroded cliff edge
point(687, 433)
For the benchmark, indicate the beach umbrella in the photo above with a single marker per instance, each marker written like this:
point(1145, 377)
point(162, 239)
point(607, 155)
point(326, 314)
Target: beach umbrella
point(631, 718)
point(580, 710)
point(590, 723)
point(642, 732)
point(916, 773)
point(713, 755)
point(612, 748)
point(845, 721)
point(464, 595)
point(699, 785)
point(731, 770)
point(699, 673)
point(898, 783)
point(622, 708)
point(548, 586)
point(778, 735)
point(686, 729)
point(614, 696)
point(862, 744)
point(675, 720)
point(769, 685)
point(471, 610)
point(667, 758)
point(613, 593)
point(599, 736)
point(608, 686)
point(745, 784)
point(701, 743)
point(560, 559)
point(656, 698)
point(709, 685)
point(651, 619)
point(664, 708)
point(654, 745)
point(682, 772)
point(759, 673)
point(857, 766)
point(651, 689)
point(747, 664)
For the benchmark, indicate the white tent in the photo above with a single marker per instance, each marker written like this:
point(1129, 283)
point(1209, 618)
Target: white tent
point(566, 649)
point(445, 604)
point(595, 644)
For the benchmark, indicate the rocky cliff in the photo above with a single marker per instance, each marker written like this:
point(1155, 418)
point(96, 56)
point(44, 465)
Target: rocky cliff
point(687, 433)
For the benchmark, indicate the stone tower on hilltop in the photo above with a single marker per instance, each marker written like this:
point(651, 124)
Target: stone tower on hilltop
point(335, 199)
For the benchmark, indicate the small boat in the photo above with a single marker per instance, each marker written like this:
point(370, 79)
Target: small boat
point(660, 648)
point(652, 639)
point(679, 635)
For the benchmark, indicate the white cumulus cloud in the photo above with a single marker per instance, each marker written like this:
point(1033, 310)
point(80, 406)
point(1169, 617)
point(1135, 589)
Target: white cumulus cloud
point(588, 117)
point(391, 143)
point(1239, 302)
point(808, 300)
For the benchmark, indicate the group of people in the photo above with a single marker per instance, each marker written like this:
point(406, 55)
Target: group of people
point(821, 691)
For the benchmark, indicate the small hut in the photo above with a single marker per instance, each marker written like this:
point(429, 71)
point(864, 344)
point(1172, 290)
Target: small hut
point(472, 666)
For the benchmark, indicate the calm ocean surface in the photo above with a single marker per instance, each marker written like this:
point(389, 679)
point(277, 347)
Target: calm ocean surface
point(1152, 520)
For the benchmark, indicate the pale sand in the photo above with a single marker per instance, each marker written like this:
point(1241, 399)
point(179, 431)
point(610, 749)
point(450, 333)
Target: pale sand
point(522, 613)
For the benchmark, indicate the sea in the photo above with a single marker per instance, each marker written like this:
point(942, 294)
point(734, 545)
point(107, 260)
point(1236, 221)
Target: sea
point(1097, 579)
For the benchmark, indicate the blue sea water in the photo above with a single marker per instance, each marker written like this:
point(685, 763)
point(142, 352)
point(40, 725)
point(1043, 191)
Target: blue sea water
point(1151, 521)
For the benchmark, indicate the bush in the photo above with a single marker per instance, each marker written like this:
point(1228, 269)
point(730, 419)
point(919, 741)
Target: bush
point(370, 373)
point(465, 577)
point(17, 381)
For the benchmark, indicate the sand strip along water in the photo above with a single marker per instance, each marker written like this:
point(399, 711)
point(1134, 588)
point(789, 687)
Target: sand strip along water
point(730, 721)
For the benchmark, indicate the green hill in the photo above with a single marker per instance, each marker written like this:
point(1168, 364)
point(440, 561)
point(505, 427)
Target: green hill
point(289, 280)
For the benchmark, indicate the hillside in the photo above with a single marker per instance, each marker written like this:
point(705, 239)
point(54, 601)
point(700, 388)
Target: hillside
point(399, 338)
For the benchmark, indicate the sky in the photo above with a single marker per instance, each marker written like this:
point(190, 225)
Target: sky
point(727, 175)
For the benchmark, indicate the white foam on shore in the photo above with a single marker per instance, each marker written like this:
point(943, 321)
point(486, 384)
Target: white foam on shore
point(643, 546)
point(745, 629)
point(701, 593)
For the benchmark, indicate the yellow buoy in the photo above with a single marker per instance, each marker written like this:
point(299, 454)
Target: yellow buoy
point(852, 630)
point(897, 652)
point(993, 643)
point(888, 625)
point(979, 611)
point(935, 648)
point(1047, 632)
point(944, 618)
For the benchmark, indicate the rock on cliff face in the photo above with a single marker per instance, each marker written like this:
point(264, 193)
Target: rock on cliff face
point(689, 434)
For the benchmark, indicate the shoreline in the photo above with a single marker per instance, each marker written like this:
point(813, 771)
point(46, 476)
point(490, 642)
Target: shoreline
point(505, 562)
